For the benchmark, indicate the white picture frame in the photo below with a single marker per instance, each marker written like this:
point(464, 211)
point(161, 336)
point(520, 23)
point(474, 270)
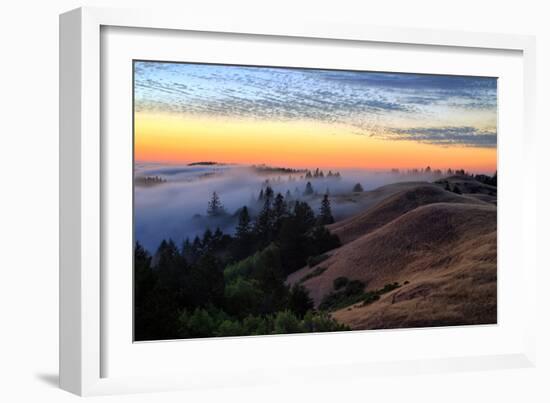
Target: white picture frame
point(83, 342)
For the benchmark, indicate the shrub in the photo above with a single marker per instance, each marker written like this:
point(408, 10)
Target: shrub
point(242, 297)
point(229, 328)
point(269, 256)
point(315, 260)
point(354, 287)
point(198, 324)
point(370, 297)
point(389, 287)
point(317, 272)
point(299, 300)
point(321, 322)
point(255, 325)
point(286, 322)
point(324, 240)
point(351, 294)
point(340, 282)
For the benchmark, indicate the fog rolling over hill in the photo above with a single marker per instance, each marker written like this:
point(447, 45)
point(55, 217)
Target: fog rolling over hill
point(420, 256)
point(362, 249)
point(274, 200)
point(171, 201)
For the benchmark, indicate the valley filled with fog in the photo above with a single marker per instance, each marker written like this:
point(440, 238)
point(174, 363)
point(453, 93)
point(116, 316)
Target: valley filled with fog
point(171, 201)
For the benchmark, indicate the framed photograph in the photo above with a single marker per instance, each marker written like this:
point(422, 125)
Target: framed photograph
point(237, 197)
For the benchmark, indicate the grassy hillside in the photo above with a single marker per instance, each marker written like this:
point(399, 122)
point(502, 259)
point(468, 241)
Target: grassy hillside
point(394, 206)
point(438, 250)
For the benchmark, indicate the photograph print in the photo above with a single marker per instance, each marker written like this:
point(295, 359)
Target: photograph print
point(274, 200)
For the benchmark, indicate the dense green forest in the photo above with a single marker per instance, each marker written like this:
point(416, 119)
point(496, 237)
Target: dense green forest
point(231, 285)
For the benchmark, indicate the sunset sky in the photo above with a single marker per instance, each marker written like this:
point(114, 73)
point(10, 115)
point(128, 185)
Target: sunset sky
point(313, 118)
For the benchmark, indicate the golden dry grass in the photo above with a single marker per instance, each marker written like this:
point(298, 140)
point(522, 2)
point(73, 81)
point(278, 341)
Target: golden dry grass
point(445, 250)
point(392, 207)
point(461, 292)
point(467, 184)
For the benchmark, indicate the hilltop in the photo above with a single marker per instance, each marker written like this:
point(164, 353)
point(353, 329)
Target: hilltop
point(394, 201)
point(432, 251)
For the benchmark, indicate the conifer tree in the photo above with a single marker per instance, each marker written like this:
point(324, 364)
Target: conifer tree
point(169, 265)
point(187, 250)
point(243, 227)
point(309, 189)
point(243, 235)
point(207, 240)
point(215, 207)
point(167, 254)
point(280, 212)
point(325, 216)
point(303, 216)
point(268, 195)
point(358, 188)
point(263, 227)
point(197, 244)
point(299, 300)
point(217, 238)
point(280, 208)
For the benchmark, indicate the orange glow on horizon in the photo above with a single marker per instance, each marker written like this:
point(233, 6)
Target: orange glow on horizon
point(297, 144)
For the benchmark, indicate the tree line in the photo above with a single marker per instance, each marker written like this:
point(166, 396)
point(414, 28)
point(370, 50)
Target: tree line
point(223, 284)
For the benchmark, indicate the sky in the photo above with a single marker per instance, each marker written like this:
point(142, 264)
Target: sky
point(313, 118)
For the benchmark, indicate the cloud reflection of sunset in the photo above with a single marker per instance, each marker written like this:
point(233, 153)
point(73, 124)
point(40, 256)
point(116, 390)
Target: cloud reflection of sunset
point(311, 117)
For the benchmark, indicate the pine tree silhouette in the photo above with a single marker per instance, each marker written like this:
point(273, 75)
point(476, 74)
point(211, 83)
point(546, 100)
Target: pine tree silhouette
point(325, 216)
point(243, 227)
point(215, 207)
point(263, 227)
point(268, 195)
point(309, 189)
point(280, 208)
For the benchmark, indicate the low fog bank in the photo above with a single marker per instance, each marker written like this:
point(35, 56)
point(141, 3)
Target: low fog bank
point(172, 201)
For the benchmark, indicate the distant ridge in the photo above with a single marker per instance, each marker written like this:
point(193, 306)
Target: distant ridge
point(204, 163)
point(392, 207)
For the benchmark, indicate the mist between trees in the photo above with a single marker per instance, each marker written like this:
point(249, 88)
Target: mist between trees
point(215, 246)
point(173, 203)
point(229, 285)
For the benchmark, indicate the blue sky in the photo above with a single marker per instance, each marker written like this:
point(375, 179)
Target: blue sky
point(435, 109)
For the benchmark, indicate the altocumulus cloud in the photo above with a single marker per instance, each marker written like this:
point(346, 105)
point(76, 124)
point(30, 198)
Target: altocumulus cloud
point(368, 102)
point(446, 136)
